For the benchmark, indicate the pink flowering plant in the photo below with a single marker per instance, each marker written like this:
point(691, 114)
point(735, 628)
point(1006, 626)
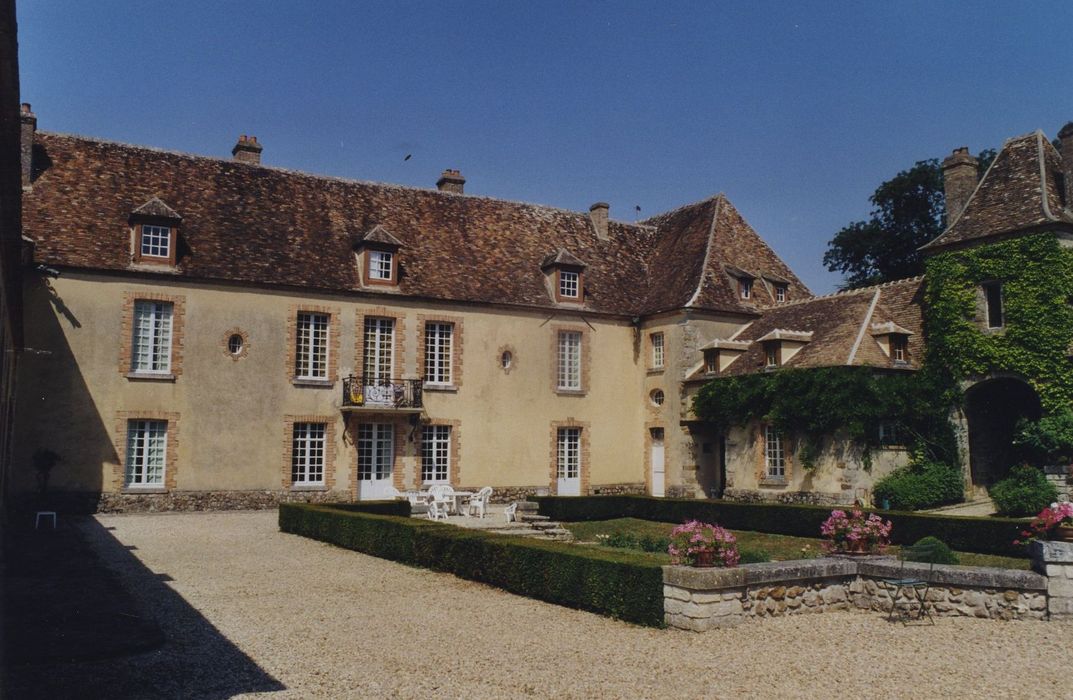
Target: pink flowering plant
point(1049, 519)
point(855, 532)
point(689, 539)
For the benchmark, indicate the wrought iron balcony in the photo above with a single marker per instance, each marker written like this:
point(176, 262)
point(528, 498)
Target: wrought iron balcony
point(371, 394)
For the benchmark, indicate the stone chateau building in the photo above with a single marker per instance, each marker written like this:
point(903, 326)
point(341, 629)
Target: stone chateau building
point(221, 333)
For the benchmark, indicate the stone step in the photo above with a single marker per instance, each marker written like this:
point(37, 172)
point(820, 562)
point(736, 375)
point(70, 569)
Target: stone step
point(532, 518)
point(528, 507)
point(544, 525)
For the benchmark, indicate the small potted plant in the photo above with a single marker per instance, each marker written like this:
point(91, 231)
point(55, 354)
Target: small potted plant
point(1055, 522)
point(855, 532)
point(702, 544)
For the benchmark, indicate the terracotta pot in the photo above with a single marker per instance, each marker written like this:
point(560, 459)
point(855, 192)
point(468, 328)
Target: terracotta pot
point(1063, 533)
point(704, 559)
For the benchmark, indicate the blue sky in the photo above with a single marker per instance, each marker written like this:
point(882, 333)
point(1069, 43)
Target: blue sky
point(795, 110)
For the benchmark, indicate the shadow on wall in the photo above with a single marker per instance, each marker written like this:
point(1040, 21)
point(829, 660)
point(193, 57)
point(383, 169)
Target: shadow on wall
point(84, 618)
point(56, 410)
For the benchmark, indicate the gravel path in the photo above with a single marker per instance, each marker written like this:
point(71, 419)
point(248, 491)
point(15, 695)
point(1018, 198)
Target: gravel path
point(266, 614)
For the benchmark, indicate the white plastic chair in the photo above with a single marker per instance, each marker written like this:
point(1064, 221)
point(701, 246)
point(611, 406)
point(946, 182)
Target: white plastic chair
point(479, 502)
point(437, 511)
point(441, 495)
point(511, 512)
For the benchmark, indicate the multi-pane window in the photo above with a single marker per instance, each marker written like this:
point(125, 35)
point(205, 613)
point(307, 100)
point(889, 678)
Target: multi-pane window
point(993, 301)
point(780, 293)
point(311, 349)
point(568, 454)
point(899, 348)
point(376, 448)
point(774, 456)
point(147, 444)
point(711, 362)
point(657, 350)
point(568, 283)
point(307, 454)
point(771, 354)
point(569, 360)
point(746, 288)
point(151, 343)
point(438, 340)
point(435, 454)
point(156, 241)
point(380, 265)
point(888, 433)
point(379, 349)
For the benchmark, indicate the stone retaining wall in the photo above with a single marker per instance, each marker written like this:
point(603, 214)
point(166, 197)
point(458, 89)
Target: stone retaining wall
point(1054, 560)
point(808, 498)
point(91, 502)
point(702, 599)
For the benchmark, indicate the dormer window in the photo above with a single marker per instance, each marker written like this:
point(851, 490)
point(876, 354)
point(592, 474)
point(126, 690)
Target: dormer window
point(745, 288)
point(771, 354)
point(381, 266)
point(155, 233)
point(711, 362)
point(569, 284)
point(378, 255)
point(780, 293)
point(899, 348)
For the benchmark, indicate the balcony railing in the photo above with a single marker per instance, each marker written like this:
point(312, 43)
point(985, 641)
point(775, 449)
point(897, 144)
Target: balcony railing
point(382, 394)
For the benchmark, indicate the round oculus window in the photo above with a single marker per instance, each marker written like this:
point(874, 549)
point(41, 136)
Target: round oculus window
point(506, 359)
point(235, 344)
point(656, 397)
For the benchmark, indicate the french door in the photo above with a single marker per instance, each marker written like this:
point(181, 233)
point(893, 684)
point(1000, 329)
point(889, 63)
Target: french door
point(379, 361)
point(658, 468)
point(568, 462)
point(376, 457)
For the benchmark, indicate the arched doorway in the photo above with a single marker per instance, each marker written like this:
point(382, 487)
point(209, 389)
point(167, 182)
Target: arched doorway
point(993, 408)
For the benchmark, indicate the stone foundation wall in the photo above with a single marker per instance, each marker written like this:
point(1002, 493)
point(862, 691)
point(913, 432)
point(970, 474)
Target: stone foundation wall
point(811, 498)
point(89, 502)
point(1055, 561)
point(703, 599)
point(637, 489)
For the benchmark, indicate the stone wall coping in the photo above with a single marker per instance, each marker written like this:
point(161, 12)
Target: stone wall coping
point(707, 579)
point(1051, 552)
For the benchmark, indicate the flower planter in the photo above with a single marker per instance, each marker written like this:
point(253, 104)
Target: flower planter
point(704, 559)
point(1063, 533)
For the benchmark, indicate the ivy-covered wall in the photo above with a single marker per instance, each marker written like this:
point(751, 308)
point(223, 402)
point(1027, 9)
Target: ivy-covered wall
point(1037, 282)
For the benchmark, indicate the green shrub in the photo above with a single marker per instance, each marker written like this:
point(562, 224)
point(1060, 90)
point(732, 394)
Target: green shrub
point(934, 551)
point(620, 584)
point(966, 534)
point(1024, 492)
point(923, 484)
point(1047, 441)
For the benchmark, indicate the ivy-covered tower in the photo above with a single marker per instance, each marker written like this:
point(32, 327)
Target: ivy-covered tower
point(998, 318)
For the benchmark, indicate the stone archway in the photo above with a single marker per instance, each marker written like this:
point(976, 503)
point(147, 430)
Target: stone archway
point(992, 408)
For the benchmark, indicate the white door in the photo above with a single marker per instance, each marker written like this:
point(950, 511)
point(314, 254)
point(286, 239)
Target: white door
point(658, 473)
point(376, 455)
point(379, 361)
point(568, 459)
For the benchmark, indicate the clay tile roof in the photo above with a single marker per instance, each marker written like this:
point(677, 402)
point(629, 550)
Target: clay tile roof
point(268, 226)
point(838, 324)
point(379, 234)
point(156, 208)
point(783, 334)
point(1017, 193)
point(561, 257)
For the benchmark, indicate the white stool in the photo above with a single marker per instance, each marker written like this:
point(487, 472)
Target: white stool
point(47, 514)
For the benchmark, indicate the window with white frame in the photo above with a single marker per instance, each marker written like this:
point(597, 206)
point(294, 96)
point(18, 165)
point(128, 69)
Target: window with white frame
point(771, 354)
point(780, 293)
point(156, 241)
point(711, 362)
point(308, 445)
point(436, 454)
point(311, 349)
point(147, 448)
point(568, 284)
point(438, 347)
point(379, 357)
point(569, 360)
point(899, 348)
point(774, 456)
point(381, 263)
point(568, 454)
point(376, 450)
point(745, 287)
point(657, 350)
point(151, 343)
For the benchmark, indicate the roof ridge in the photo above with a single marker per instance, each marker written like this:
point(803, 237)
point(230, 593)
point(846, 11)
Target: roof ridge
point(687, 205)
point(339, 178)
point(864, 326)
point(1043, 196)
point(848, 292)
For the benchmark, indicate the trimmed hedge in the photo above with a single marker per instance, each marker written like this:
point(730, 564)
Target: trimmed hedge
point(966, 534)
point(921, 485)
point(615, 583)
point(392, 507)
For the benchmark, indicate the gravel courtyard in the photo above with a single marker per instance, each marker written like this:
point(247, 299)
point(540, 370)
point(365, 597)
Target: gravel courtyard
point(252, 612)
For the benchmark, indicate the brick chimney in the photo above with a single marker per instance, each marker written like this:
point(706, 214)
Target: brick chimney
point(247, 150)
point(959, 180)
point(29, 127)
point(598, 214)
point(1065, 136)
point(451, 181)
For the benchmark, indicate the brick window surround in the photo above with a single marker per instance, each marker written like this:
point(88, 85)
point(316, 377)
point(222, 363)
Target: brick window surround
point(126, 334)
point(398, 370)
point(760, 442)
point(583, 472)
point(401, 434)
point(454, 468)
point(557, 280)
point(139, 230)
point(456, 348)
point(171, 458)
point(225, 344)
point(333, 313)
point(586, 354)
point(329, 451)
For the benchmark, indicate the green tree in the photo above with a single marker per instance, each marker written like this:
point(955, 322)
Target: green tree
point(909, 210)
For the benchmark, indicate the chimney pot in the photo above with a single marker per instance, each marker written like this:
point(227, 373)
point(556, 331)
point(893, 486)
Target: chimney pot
point(959, 180)
point(247, 150)
point(1065, 138)
point(598, 214)
point(451, 181)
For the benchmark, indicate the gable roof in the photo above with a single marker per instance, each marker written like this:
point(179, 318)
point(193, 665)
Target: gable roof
point(1019, 192)
point(381, 235)
point(157, 209)
point(838, 328)
point(261, 225)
